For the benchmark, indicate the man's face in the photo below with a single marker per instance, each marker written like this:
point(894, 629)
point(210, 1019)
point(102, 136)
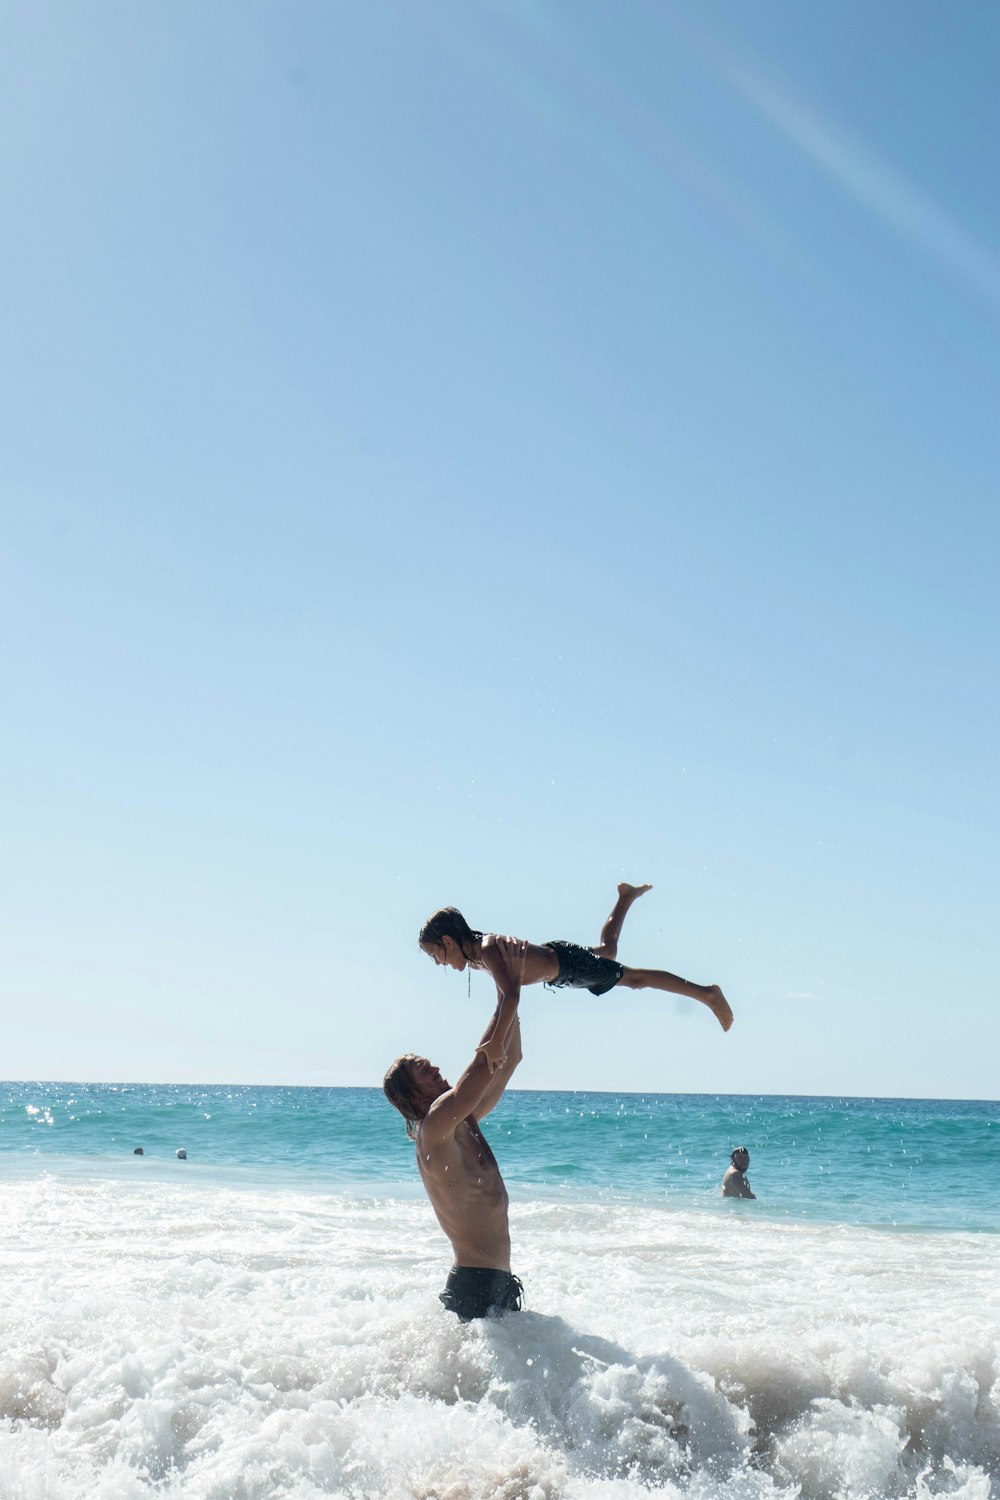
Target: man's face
point(427, 1078)
point(741, 1160)
point(446, 954)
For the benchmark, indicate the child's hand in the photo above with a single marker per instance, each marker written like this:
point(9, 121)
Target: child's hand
point(493, 1052)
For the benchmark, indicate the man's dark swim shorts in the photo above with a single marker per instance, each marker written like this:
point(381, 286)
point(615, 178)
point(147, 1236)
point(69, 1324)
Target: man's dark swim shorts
point(478, 1292)
point(581, 969)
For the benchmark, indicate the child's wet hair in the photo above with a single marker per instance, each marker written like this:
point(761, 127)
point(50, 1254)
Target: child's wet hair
point(448, 921)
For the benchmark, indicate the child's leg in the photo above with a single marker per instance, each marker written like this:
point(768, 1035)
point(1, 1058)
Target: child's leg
point(659, 979)
point(612, 929)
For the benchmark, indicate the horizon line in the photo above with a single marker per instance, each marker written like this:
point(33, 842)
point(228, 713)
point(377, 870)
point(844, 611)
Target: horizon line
point(636, 1093)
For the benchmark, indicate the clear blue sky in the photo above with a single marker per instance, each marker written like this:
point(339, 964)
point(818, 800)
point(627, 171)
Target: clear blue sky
point(474, 453)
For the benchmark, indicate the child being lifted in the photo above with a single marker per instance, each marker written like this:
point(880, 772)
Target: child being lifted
point(512, 962)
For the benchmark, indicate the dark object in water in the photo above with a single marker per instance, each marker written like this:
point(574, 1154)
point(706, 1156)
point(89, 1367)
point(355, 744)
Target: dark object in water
point(181, 1154)
point(138, 1151)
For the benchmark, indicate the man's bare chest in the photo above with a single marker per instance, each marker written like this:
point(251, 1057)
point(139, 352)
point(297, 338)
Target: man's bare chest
point(464, 1164)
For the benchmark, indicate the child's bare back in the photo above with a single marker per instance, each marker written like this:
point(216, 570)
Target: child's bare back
point(514, 962)
point(536, 963)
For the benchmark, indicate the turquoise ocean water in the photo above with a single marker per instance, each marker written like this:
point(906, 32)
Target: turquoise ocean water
point(261, 1319)
point(909, 1163)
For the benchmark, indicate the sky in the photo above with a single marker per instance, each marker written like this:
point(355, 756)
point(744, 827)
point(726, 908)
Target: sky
point(472, 454)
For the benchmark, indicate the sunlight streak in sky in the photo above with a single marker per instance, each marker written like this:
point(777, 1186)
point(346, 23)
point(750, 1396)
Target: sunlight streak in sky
point(536, 58)
point(912, 213)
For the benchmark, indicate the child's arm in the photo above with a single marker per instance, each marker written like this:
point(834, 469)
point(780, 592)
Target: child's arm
point(497, 1037)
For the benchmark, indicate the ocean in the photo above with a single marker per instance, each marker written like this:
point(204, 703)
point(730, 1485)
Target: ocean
point(260, 1320)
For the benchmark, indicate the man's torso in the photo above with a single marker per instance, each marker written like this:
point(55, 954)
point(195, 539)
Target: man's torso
point(468, 1196)
point(735, 1184)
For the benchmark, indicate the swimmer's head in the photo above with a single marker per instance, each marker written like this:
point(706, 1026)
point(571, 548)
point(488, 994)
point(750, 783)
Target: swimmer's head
point(411, 1085)
point(740, 1158)
point(447, 938)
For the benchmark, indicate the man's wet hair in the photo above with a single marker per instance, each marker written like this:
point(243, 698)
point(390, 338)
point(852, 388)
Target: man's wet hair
point(448, 921)
point(401, 1091)
point(739, 1151)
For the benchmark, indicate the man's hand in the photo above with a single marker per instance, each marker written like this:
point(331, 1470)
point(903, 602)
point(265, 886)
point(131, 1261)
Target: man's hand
point(492, 1049)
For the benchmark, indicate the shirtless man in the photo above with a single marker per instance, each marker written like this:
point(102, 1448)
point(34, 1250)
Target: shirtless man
point(460, 1172)
point(736, 1184)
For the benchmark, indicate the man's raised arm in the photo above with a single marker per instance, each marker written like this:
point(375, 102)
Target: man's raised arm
point(466, 1098)
point(501, 1077)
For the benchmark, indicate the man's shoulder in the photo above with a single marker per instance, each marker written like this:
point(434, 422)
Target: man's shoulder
point(438, 1125)
point(434, 1126)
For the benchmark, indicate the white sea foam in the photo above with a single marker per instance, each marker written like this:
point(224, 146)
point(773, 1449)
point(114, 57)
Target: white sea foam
point(169, 1340)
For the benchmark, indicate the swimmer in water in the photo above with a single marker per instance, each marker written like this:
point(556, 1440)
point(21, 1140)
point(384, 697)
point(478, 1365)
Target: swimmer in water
point(736, 1184)
point(513, 962)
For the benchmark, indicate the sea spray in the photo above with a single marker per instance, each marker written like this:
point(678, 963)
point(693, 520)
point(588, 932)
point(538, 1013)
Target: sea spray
point(183, 1338)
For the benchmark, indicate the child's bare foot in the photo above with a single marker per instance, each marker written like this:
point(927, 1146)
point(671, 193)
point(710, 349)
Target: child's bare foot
point(632, 892)
point(719, 1006)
